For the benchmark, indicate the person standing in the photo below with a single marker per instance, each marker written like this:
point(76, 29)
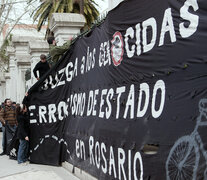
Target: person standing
point(14, 104)
point(7, 115)
point(42, 66)
point(22, 133)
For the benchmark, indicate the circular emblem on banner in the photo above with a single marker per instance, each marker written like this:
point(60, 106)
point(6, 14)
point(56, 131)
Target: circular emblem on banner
point(117, 50)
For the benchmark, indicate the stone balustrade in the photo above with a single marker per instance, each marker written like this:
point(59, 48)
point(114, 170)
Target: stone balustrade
point(65, 26)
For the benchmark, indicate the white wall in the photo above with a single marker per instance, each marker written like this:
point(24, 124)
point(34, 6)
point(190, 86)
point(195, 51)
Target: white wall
point(113, 3)
point(14, 86)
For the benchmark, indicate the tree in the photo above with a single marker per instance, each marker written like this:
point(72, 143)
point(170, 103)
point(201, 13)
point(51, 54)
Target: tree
point(47, 7)
point(10, 16)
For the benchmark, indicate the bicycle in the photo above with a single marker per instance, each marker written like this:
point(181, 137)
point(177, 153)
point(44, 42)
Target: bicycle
point(183, 160)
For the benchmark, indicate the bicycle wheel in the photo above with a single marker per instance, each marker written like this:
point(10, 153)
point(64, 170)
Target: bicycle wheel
point(183, 159)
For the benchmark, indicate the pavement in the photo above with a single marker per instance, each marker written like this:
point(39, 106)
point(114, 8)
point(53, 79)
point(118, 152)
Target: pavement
point(11, 170)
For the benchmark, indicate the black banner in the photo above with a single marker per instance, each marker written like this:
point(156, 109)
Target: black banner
point(129, 99)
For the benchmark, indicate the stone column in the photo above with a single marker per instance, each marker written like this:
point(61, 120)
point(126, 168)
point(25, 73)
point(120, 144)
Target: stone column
point(2, 87)
point(65, 26)
point(12, 86)
point(23, 66)
point(36, 48)
point(22, 57)
point(7, 85)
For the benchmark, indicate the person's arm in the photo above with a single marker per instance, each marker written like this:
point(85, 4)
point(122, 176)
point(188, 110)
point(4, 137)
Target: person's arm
point(20, 120)
point(48, 66)
point(2, 116)
point(56, 52)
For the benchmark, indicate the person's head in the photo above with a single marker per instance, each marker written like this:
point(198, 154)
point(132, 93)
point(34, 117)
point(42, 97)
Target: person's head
point(24, 109)
point(7, 102)
point(51, 40)
point(14, 104)
point(42, 58)
point(21, 109)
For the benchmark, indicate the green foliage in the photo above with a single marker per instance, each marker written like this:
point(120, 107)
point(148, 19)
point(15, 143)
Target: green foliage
point(28, 74)
point(3, 57)
point(44, 12)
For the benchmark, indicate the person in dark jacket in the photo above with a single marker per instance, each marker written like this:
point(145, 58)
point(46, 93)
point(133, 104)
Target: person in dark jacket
point(22, 133)
point(42, 66)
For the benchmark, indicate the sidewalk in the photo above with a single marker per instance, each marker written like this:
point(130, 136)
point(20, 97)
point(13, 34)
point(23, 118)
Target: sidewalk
point(11, 170)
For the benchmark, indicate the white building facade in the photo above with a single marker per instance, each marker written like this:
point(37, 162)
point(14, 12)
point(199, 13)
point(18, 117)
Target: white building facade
point(25, 49)
point(12, 83)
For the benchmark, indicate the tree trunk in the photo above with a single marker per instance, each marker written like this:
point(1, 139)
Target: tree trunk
point(81, 6)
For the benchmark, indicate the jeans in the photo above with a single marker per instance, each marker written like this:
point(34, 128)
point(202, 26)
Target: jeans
point(23, 151)
point(13, 128)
